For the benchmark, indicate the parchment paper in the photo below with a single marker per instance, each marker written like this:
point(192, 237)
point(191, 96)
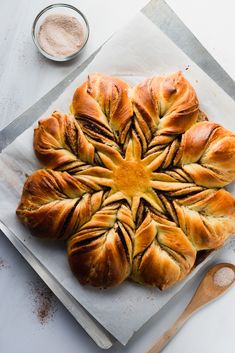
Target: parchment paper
point(138, 51)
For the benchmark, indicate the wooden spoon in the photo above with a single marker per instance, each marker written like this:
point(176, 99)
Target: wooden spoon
point(207, 291)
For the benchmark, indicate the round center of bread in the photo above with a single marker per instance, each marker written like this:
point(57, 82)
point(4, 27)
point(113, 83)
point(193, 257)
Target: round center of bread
point(131, 177)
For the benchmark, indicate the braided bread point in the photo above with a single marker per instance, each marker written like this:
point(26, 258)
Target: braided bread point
point(100, 254)
point(54, 204)
point(208, 154)
point(162, 254)
point(59, 143)
point(103, 108)
point(207, 218)
point(169, 101)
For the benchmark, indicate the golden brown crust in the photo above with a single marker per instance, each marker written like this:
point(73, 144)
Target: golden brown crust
point(133, 181)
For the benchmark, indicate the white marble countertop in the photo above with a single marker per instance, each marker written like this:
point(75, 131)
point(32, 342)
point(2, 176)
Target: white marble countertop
point(25, 76)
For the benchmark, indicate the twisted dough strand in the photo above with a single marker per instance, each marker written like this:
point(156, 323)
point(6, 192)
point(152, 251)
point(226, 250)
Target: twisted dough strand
point(162, 247)
point(54, 204)
point(208, 154)
point(101, 252)
point(59, 143)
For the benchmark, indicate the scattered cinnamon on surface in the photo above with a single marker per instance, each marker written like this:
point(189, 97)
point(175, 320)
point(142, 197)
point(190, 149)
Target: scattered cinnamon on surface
point(3, 264)
point(44, 301)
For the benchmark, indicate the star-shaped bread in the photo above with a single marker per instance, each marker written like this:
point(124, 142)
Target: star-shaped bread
point(133, 180)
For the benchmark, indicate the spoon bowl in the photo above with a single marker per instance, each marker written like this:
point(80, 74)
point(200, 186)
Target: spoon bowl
point(208, 290)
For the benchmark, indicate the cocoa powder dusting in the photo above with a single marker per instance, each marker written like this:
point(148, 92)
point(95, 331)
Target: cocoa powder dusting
point(44, 301)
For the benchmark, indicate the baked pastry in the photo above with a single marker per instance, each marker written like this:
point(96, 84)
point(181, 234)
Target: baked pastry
point(133, 181)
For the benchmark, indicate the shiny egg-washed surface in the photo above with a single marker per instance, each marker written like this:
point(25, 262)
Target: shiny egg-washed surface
point(133, 181)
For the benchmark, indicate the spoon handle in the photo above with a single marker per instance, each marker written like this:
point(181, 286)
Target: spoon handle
point(169, 334)
point(205, 293)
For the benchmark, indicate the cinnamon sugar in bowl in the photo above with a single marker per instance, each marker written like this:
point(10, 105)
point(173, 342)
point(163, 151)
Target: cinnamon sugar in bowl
point(60, 32)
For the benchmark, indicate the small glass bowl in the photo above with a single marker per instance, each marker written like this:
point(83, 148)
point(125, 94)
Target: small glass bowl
point(60, 9)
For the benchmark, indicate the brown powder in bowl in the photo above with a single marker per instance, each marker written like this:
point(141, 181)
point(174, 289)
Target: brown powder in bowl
point(61, 35)
point(44, 301)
